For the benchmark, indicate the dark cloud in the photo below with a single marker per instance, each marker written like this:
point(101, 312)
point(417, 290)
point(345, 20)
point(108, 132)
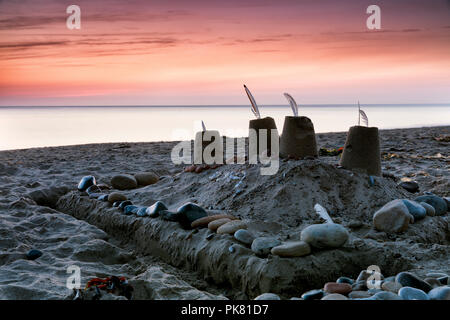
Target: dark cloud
point(411, 30)
point(24, 45)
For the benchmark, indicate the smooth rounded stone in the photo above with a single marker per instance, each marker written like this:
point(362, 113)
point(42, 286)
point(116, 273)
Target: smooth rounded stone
point(103, 197)
point(374, 290)
point(429, 209)
point(440, 293)
point(268, 296)
point(130, 209)
point(154, 210)
point(142, 212)
point(436, 275)
point(168, 215)
point(334, 287)
point(33, 254)
point(345, 280)
point(408, 293)
point(86, 182)
point(261, 246)
point(123, 204)
point(116, 203)
point(385, 295)
point(95, 195)
point(146, 178)
point(390, 279)
point(292, 249)
point(93, 189)
point(327, 235)
point(214, 225)
point(315, 294)
point(415, 209)
point(391, 286)
point(359, 294)
point(334, 296)
point(447, 201)
point(444, 280)
point(188, 213)
point(410, 186)
point(244, 236)
point(231, 227)
point(203, 222)
point(116, 196)
point(433, 282)
point(392, 217)
point(123, 182)
point(407, 279)
point(439, 204)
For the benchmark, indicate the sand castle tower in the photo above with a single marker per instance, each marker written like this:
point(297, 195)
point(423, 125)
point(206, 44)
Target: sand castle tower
point(259, 124)
point(298, 138)
point(362, 148)
point(208, 147)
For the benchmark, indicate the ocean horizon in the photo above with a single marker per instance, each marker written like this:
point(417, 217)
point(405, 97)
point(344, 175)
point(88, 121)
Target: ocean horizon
point(43, 126)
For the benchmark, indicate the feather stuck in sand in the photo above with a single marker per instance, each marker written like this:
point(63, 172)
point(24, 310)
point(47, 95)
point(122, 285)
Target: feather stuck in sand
point(322, 212)
point(362, 115)
point(292, 103)
point(255, 109)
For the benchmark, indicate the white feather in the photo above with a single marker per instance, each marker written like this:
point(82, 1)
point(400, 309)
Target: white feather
point(322, 212)
point(255, 109)
point(293, 104)
point(364, 117)
point(203, 126)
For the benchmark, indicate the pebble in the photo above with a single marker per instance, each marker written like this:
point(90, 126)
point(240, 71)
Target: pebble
point(123, 182)
point(410, 186)
point(103, 197)
point(261, 246)
point(268, 296)
point(231, 249)
point(142, 212)
point(359, 295)
point(359, 286)
point(146, 178)
point(392, 217)
point(116, 196)
point(385, 295)
point(345, 280)
point(93, 189)
point(214, 225)
point(408, 293)
point(117, 203)
point(334, 296)
point(327, 235)
point(244, 236)
point(415, 209)
point(292, 249)
point(154, 210)
point(334, 287)
point(433, 282)
point(130, 209)
point(444, 280)
point(231, 227)
point(123, 204)
point(436, 275)
point(440, 293)
point(391, 286)
point(86, 182)
point(316, 294)
point(95, 195)
point(439, 204)
point(407, 279)
point(203, 222)
point(33, 254)
point(429, 208)
point(188, 213)
point(447, 201)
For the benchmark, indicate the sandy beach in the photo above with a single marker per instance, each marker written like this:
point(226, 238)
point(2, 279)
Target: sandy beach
point(42, 209)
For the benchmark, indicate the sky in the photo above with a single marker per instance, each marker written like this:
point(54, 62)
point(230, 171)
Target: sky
point(174, 52)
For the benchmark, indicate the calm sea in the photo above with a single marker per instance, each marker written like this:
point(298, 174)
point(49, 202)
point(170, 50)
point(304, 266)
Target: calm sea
point(26, 127)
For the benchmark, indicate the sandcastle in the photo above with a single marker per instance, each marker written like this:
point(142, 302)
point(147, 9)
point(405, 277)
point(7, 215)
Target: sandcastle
point(298, 138)
point(362, 149)
point(208, 147)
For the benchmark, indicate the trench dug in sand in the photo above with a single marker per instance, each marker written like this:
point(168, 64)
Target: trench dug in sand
point(280, 205)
